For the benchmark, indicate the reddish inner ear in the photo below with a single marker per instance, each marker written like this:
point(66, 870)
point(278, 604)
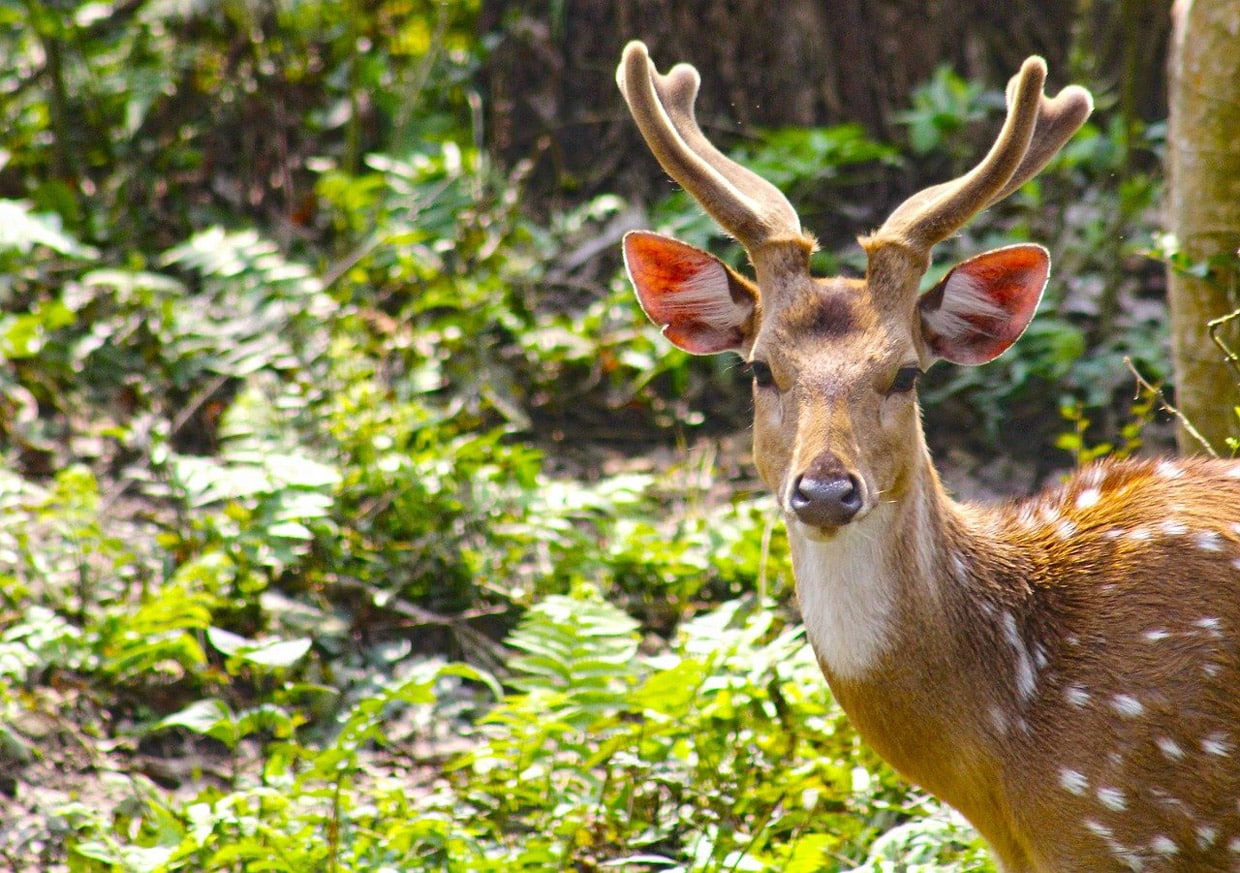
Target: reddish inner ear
point(702, 306)
point(984, 304)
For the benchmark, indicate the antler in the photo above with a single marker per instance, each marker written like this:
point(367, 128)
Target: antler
point(741, 202)
point(1036, 128)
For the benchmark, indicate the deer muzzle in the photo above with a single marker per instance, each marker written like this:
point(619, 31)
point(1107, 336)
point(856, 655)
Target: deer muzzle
point(827, 494)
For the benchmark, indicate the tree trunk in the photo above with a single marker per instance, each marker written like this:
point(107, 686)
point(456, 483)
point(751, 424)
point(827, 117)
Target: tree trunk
point(1203, 167)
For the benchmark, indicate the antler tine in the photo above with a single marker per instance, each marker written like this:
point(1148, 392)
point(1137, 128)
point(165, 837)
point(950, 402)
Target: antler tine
point(741, 202)
point(1036, 127)
point(1059, 117)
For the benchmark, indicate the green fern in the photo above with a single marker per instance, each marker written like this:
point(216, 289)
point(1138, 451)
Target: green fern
point(580, 649)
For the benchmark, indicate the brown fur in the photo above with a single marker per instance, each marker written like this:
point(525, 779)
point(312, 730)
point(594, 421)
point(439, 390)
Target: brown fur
point(831, 315)
point(1137, 685)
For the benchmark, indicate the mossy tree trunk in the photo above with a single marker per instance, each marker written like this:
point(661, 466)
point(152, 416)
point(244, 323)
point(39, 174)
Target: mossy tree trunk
point(1203, 166)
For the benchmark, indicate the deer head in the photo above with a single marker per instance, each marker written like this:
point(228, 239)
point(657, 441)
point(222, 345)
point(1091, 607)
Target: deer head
point(835, 360)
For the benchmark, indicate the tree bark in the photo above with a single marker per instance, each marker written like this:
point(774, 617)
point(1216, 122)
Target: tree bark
point(1203, 167)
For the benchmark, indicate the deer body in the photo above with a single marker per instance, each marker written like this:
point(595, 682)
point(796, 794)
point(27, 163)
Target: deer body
point(1063, 670)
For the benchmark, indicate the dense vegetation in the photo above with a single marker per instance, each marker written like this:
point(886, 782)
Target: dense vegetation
point(353, 518)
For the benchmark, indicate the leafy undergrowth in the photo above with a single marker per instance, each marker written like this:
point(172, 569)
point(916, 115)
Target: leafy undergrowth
point(720, 752)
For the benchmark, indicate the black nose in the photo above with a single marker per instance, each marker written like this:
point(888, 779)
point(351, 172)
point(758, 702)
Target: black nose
point(828, 501)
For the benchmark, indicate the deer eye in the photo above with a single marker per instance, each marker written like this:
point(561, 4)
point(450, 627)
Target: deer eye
point(762, 376)
point(905, 380)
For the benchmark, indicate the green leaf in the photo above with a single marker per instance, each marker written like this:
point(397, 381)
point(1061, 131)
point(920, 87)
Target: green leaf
point(266, 653)
point(23, 336)
point(211, 718)
point(227, 642)
point(277, 653)
point(22, 230)
point(465, 671)
point(301, 472)
point(290, 530)
point(809, 855)
point(272, 719)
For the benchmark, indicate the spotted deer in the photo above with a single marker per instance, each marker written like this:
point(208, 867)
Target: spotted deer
point(1063, 670)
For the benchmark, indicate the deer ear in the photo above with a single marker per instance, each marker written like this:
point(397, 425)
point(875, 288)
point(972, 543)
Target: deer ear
point(702, 304)
point(984, 304)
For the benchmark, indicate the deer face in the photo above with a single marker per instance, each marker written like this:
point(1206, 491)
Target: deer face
point(834, 405)
point(835, 362)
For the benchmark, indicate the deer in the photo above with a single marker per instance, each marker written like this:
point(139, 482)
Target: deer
point(1062, 669)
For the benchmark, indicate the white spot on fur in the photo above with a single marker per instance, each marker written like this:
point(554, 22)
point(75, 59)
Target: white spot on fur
point(1076, 695)
point(1211, 624)
point(1211, 669)
point(1170, 748)
point(1209, 541)
point(999, 719)
point(1027, 517)
point(1206, 835)
point(1066, 529)
point(1235, 563)
point(1163, 845)
point(1172, 803)
point(1139, 533)
point(958, 566)
point(1073, 781)
point(1126, 856)
point(1026, 680)
point(1099, 829)
point(1234, 844)
point(1127, 705)
point(1216, 744)
point(1088, 498)
point(1113, 799)
point(1169, 470)
point(1156, 634)
point(845, 595)
point(1173, 528)
point(1114, 533)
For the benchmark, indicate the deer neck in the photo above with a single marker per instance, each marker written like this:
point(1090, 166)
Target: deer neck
point(907, 630)
point(886, 583)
